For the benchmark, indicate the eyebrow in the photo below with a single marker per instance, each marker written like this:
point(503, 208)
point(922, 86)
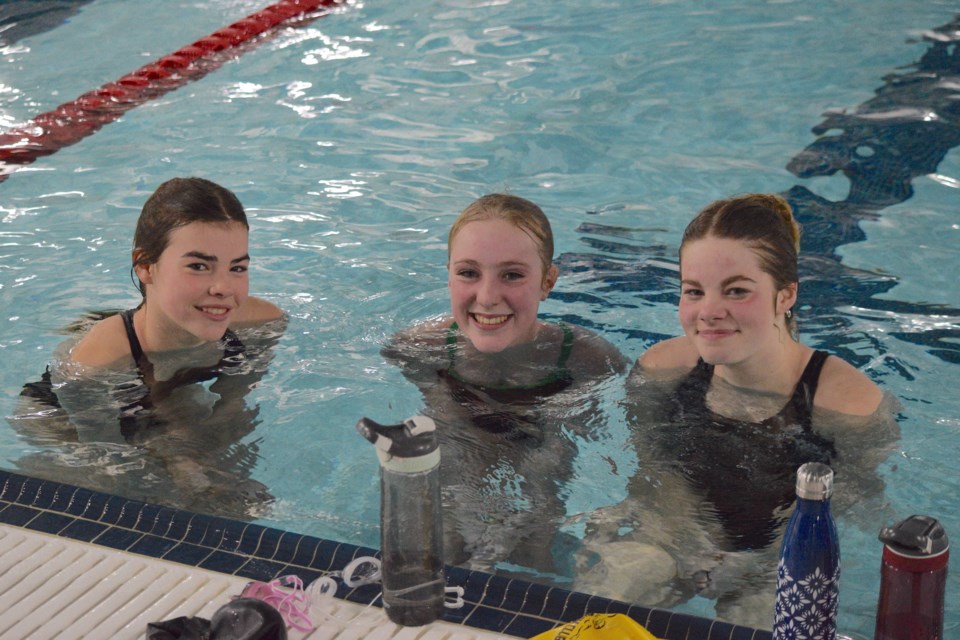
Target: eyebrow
point(724, 283)
point(499, 265)
point(203, 256)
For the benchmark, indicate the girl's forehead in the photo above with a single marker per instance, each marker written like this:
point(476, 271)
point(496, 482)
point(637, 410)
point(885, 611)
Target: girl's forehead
point(712, 255)
point(494, 232)
point(225, 234)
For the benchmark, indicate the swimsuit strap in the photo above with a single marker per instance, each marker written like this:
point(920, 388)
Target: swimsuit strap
point(567, 345)
point(233, 349)
point(136, 350)
point(807, 386)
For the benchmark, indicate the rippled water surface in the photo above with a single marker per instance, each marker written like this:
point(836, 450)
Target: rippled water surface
point(355, 140)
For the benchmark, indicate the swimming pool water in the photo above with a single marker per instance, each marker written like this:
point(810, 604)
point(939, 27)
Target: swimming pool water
point(355, 140)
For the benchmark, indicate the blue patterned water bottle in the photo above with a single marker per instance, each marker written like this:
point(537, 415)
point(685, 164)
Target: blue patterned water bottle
point(808, 575)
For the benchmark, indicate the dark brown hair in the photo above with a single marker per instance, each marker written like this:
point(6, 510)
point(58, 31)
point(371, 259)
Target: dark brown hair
point(177, 203)
point(765, 222)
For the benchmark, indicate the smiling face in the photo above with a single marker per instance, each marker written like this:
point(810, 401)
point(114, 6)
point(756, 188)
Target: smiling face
point(729, 307)
point(196, 285)
point(496, 281)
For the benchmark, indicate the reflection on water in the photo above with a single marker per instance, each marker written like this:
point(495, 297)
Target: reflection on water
point(186, 443)
point(881, 146)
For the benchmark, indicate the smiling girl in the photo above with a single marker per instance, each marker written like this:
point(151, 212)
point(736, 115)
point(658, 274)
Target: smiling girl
point(723, 416)
point(508, 390)
point(738, 287)
point(156, 394)
point(191, 260)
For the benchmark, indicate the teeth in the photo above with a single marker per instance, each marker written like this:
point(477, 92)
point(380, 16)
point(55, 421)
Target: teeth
point(490, 321)
point(217, 311)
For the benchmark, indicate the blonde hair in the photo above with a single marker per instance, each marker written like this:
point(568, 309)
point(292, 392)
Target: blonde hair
point(519, 212)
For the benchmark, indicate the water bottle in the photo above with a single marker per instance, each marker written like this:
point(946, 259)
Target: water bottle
point(411, 528)
point(913, 578)
point(808, 574)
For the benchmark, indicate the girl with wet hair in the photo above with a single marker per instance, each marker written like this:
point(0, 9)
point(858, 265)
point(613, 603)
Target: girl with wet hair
point(510, 392)
point(191, 261)
point(162, 386)
point(723, 416)
point(738, 287)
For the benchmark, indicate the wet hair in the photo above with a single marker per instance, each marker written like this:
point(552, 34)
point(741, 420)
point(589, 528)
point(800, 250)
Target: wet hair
point(519, 212)
point(177, 203)
point(764, 222)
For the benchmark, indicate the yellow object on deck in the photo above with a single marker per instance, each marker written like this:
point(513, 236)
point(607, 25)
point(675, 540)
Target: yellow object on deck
point(598, 626)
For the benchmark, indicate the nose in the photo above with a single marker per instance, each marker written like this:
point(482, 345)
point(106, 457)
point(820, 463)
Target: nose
point(221, 285)
point(712, 308)
point(488, 292)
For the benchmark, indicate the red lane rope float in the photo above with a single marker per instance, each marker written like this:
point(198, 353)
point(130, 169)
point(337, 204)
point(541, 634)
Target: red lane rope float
point(72, 121)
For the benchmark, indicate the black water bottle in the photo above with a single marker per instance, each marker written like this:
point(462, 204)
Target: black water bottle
point(411, 529)
point(808, 575)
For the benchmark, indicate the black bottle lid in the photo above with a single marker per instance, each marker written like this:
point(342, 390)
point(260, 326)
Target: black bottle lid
point(916, 537)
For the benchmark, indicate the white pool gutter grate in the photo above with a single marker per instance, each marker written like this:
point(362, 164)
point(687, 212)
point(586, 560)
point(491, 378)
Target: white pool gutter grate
point(56, 588)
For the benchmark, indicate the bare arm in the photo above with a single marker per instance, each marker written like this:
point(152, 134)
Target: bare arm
point(105, 345)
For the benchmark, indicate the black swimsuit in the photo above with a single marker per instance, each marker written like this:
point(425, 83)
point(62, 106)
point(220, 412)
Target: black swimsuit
point(233, 355)
point(136, 397)
point(133, 413)
point(747, 470)
point(480, 400)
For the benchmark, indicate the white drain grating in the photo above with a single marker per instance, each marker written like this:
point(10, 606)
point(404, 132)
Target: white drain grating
point(55, 588)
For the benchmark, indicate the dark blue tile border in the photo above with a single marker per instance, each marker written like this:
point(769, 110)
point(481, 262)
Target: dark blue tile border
point(494, 603)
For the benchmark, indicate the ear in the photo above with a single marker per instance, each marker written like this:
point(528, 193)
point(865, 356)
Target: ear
point(786, 298)
point(549, 280)
point(143, 270)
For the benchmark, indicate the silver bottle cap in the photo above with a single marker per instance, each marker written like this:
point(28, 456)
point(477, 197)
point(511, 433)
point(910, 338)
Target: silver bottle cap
point(814, 481)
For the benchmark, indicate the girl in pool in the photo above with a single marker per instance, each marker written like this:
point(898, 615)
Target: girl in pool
point(506, 388)
point(176, 368)
point(739, 284)
point(190, 257)
point(738, 403)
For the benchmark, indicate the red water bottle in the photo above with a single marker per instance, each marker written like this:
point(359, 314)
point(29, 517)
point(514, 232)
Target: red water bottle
point(913, 578)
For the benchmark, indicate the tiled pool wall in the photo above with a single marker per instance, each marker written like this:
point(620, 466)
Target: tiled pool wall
point(493, 603)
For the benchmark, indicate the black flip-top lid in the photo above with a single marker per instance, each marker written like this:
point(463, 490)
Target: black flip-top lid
point(916, 536)
point(412, 438)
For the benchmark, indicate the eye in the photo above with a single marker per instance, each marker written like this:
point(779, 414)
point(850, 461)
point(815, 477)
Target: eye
point(240, 268)
point(691, 292)
point(737, 292)
point(513, 276)
point(197, 266)
point(467, 274)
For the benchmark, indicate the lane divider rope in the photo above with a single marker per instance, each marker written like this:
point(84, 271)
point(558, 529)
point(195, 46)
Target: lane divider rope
point(72, 121)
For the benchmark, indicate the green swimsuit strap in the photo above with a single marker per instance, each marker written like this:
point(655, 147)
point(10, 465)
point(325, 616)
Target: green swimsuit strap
point(567, 345)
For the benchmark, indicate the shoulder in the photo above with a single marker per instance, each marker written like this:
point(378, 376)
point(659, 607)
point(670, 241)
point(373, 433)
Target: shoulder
point(593, 354)
point(845, 389)
point(420, 349)
point(255, 311)
point(423, 335)
point(105, 345)
point(670, 355)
